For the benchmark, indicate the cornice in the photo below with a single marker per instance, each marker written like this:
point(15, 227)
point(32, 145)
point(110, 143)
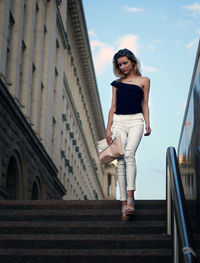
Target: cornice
point(79, 28)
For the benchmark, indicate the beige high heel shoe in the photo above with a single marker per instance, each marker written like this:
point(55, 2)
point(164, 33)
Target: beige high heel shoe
point(125, 218)
point(130, 208)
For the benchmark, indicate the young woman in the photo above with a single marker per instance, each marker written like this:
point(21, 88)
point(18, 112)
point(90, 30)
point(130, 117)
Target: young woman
point(129, 110)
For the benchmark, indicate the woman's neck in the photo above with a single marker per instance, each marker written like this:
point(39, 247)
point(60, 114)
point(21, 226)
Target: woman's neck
point(130, 76)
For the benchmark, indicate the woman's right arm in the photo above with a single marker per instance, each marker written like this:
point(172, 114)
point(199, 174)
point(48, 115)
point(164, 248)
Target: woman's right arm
point(110, 116)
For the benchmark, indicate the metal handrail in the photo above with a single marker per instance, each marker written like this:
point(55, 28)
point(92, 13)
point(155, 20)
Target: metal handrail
point(176, 206)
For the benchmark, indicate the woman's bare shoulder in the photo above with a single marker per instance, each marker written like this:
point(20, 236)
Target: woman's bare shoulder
point(145, 81)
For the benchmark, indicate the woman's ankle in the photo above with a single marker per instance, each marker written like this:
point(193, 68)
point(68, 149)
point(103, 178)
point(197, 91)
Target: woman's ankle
point(124, 203)
point(130, 199)
point(131, 193)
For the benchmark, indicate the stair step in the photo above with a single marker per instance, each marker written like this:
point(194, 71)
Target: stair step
point(84, 241)
point(79, 215)
point(85, 255)
point(77, 204)
point(87, 227)
point(83, 231)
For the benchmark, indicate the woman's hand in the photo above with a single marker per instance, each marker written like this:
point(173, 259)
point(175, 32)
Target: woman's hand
point(145, 106)
point(110, 116)
point(148, 131)
point(108, 136)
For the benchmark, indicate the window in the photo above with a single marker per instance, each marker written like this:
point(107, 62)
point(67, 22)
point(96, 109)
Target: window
point(109, 191)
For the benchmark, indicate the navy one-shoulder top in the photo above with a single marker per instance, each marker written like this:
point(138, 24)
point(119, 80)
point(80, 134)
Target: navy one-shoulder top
point(129, 98)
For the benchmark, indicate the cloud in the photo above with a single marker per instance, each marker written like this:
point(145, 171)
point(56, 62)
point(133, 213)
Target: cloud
point(96, 44)
point(185, 24)
point(130, 42)
point(164, 17)
point(92, 34)
point(179, 42)
point(152, 48)
point(103, 58)
point(153, 45)
point(149, 69)
point(103, 52)
point(194, 8)
point(192, 43)
point(133, 9)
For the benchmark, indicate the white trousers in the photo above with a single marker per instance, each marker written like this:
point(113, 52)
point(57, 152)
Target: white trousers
point(131, 128)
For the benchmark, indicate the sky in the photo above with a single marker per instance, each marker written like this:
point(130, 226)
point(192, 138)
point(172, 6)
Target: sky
point(164, 36)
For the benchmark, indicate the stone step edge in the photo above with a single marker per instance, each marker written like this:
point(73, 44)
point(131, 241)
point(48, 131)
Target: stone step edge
point(83, 237)
point(44, 202)
point(63, 204)
point(21, 213)
point(58, 224)
point(86, 252)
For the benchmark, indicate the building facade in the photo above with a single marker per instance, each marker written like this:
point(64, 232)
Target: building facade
point(189, 149)
point(110, 180)
point(47, 75)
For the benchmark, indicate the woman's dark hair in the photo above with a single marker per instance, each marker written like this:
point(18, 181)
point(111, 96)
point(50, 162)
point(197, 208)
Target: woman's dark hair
point(125, 53)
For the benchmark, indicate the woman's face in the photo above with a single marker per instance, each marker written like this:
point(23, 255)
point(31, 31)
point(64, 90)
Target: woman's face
point(125, 65)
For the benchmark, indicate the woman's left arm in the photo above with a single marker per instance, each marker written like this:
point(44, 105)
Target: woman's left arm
point(145, 105)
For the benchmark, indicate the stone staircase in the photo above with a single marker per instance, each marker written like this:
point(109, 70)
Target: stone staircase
point(83, 232)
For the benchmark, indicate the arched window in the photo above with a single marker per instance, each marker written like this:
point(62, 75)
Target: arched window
point(13, 179)
point(36, 190)
point(16, 175)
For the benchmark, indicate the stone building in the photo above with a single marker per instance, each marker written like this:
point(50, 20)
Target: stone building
point(110, 180)
point(50, 112)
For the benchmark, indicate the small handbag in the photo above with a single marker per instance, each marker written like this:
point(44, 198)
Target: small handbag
point(108, 153)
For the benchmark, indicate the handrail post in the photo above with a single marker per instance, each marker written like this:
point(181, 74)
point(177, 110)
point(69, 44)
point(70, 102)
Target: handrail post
point(176, 246)
point(169, 202)
point(176, 202)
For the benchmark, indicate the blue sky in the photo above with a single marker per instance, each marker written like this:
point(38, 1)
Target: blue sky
point(164, 36)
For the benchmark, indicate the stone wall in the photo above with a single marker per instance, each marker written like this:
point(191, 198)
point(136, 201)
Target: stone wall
point(26, 170)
